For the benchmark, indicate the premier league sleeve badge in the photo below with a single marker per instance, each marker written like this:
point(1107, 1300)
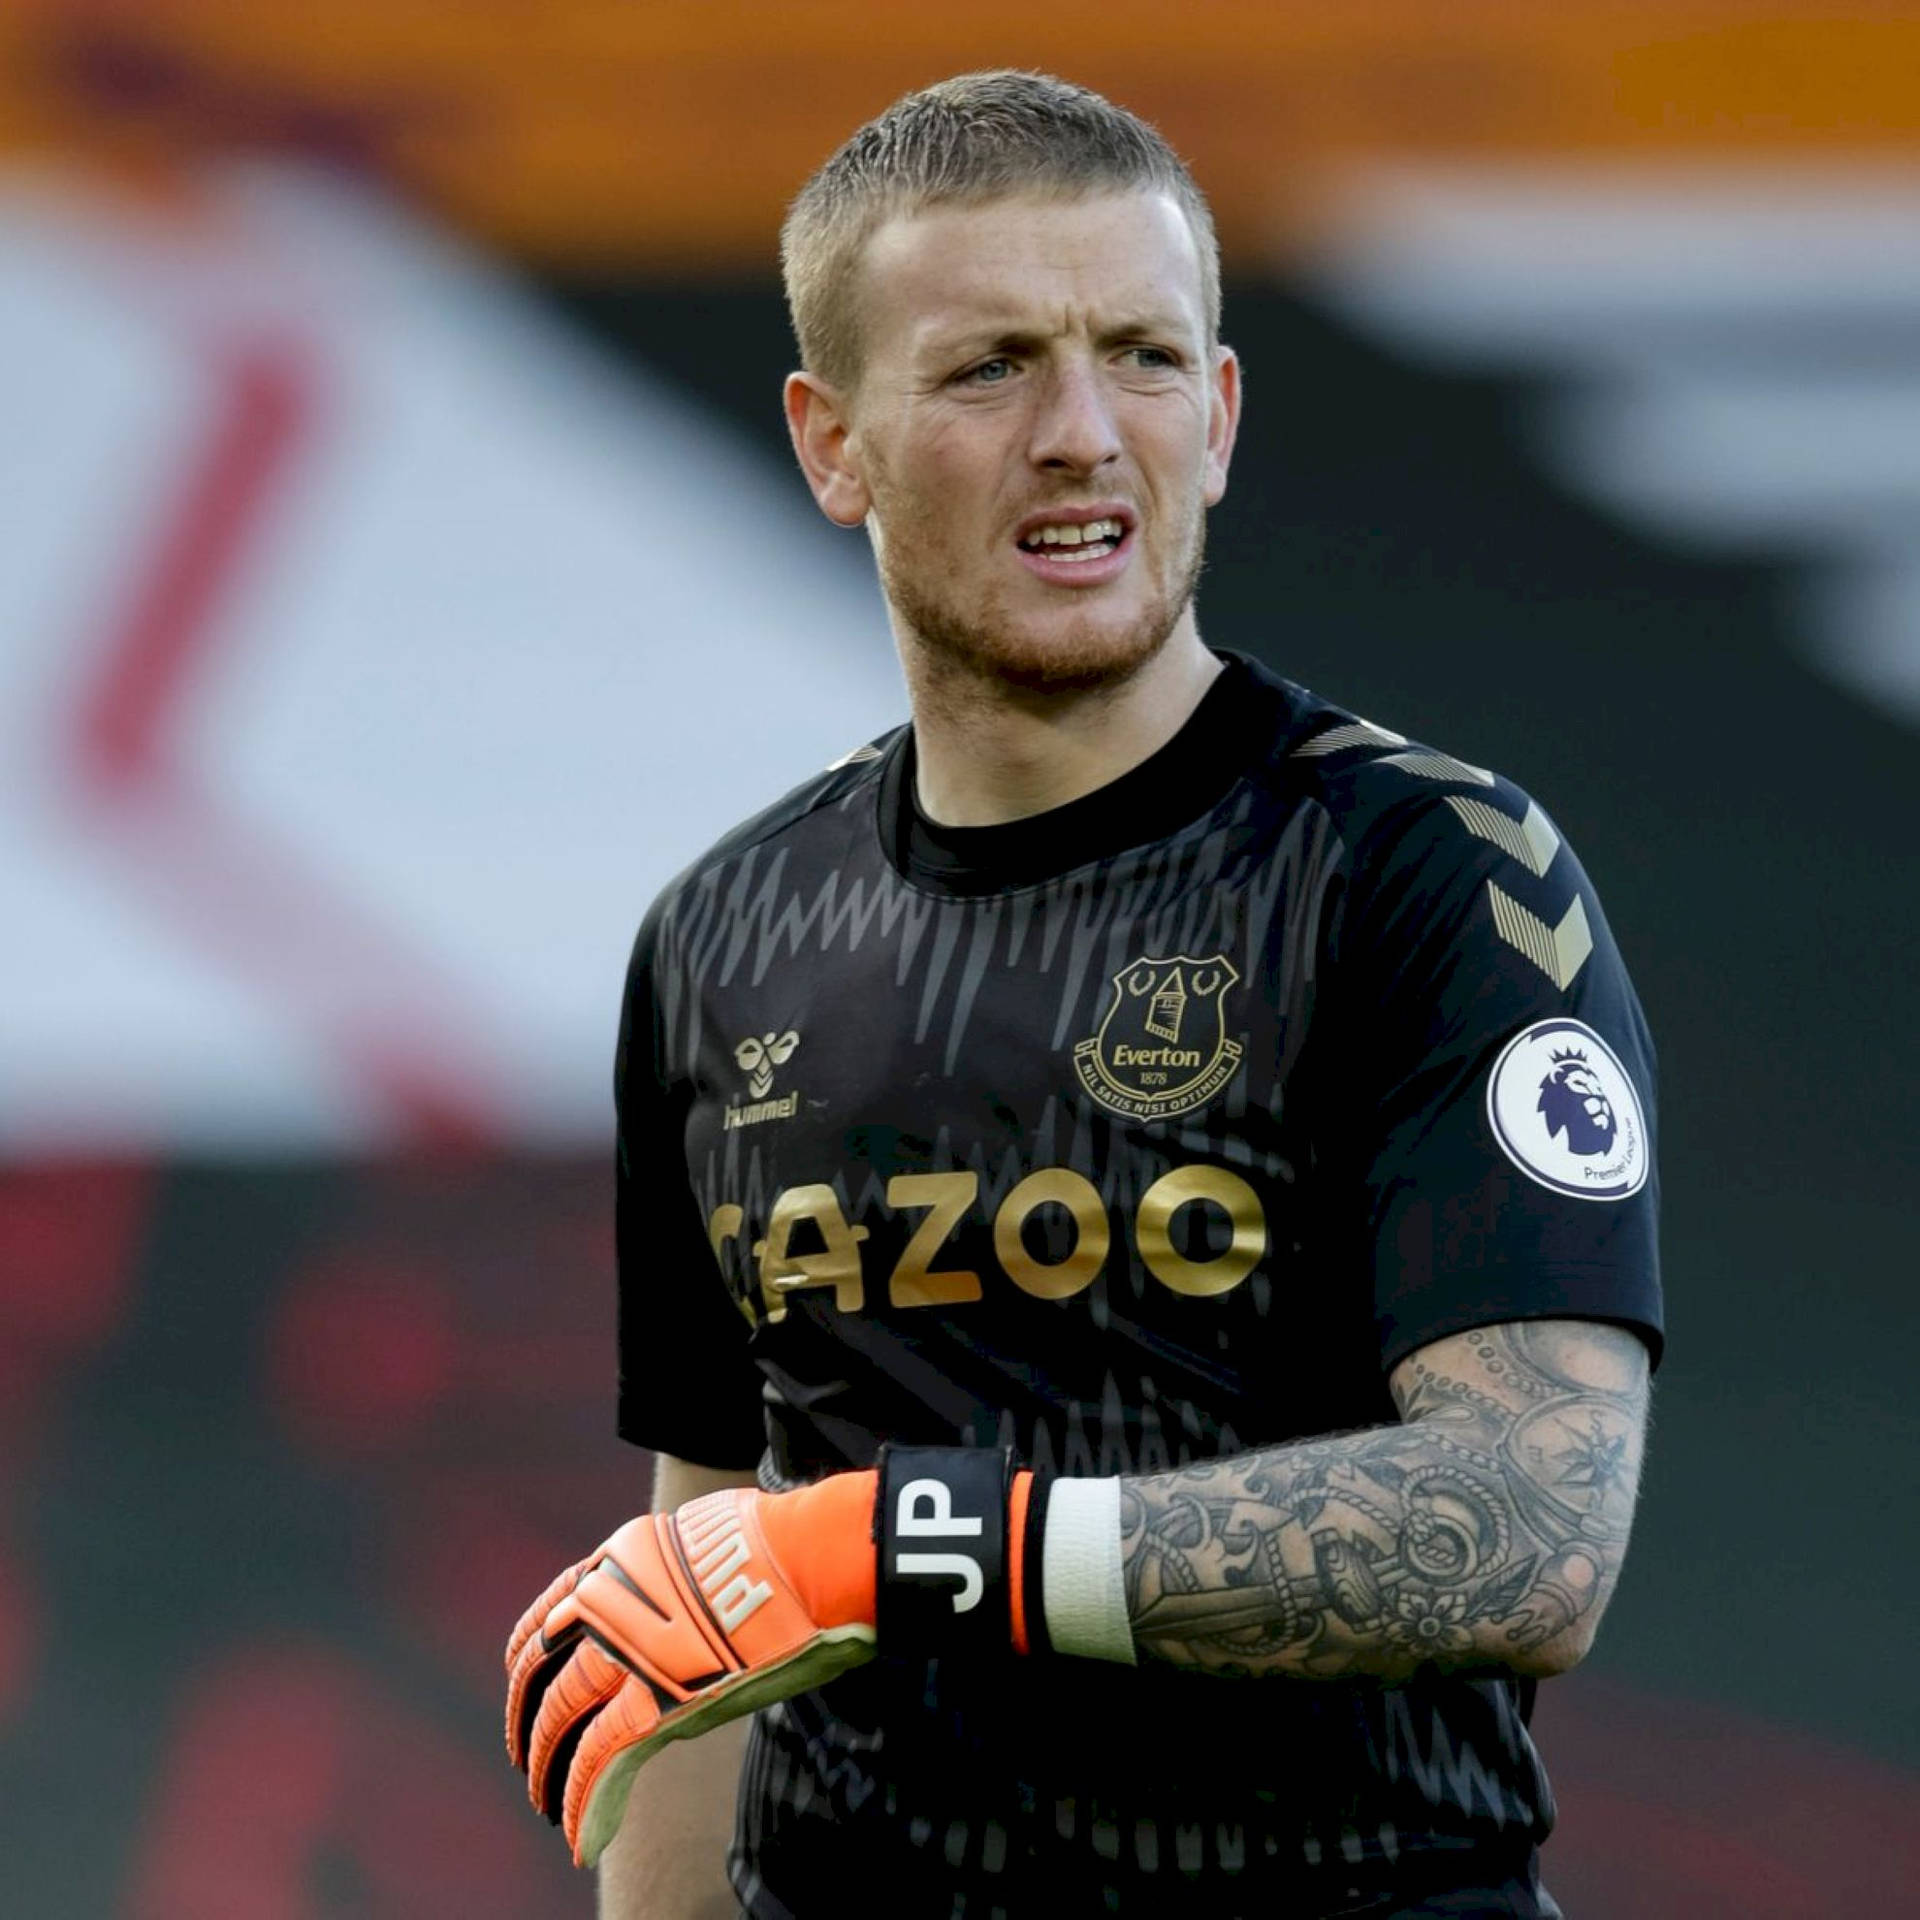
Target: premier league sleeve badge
point(1566, 1113)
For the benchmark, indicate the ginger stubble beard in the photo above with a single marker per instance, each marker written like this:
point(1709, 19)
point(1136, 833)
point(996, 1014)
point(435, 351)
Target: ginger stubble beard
point(984, 645)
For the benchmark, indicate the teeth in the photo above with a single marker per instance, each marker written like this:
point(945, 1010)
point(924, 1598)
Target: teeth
point(1065, 535)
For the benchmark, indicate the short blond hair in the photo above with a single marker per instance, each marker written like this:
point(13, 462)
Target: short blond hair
point(962, 142)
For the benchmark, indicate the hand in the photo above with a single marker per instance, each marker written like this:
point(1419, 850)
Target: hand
point(683, 1621)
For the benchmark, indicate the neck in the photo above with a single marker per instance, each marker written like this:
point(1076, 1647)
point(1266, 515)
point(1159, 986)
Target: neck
point(989, 753)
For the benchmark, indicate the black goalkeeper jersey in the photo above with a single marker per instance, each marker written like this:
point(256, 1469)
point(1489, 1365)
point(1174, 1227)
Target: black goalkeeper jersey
point(1155, 1128)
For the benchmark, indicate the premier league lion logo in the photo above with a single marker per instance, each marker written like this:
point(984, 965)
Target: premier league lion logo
point(1566, 1112)
point(1573, 1102)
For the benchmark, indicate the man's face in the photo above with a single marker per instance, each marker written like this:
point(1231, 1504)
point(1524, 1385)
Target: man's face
point(1039, 426)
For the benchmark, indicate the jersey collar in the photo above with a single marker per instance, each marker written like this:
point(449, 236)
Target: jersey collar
point(1232, 729)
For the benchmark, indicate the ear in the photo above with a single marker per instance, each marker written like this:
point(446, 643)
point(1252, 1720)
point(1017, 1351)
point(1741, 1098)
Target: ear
point(1223, 421)
point(818, 424)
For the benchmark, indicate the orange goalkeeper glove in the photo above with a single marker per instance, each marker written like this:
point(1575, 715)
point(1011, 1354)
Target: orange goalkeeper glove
point(685, 1620)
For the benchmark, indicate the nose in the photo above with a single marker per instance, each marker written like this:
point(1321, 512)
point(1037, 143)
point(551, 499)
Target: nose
point(1074, 430)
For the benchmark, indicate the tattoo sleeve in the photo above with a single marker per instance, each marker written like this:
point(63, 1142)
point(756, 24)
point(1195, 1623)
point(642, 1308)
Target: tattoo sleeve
point(1485, 1530)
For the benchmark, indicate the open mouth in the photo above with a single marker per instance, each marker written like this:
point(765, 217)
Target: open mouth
point(1075, 541)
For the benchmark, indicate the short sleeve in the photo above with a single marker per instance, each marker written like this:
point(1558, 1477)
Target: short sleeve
point(1499, 1078)
point(688, 1385)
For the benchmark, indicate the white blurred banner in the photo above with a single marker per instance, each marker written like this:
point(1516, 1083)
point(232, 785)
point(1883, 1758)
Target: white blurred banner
point(369, 654)
point(1734, 351)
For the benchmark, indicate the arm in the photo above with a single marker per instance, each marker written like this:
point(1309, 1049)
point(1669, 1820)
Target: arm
point(668, 1861)
point(1486, 1530)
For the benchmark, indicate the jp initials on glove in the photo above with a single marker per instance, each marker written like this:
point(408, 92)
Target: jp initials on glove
point(682, 1621)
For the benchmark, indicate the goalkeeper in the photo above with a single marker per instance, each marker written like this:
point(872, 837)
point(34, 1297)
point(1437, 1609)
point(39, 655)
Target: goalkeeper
point(1136, 1195)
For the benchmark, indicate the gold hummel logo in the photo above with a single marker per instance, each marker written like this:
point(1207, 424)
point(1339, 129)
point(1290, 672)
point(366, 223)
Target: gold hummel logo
point(757, 1056)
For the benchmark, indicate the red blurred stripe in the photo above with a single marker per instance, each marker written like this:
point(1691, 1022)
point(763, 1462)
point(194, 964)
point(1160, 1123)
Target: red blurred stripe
point(230, 886)
point(265, 401)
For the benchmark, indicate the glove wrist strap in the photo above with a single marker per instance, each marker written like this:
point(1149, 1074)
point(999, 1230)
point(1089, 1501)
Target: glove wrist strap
point(940, 1525)
point(972, 1555)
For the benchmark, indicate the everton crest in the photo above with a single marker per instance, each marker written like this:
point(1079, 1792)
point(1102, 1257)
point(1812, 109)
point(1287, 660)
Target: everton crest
point(1162, 1049)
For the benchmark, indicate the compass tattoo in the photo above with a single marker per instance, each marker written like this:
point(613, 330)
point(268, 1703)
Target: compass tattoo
point(1486, 1530)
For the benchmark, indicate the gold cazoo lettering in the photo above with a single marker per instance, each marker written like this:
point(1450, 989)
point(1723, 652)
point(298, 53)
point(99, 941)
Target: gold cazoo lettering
point(946, 1197)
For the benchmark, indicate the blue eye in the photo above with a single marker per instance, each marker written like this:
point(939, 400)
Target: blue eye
point(989, 373)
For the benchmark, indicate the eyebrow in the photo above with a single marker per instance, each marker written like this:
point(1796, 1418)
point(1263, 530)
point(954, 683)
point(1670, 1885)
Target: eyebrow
point(987, 338)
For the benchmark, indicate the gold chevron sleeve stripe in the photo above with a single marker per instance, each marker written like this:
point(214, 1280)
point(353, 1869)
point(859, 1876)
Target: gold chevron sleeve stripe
point(1531, 841)
point(1540, 838)
point(1559, 952)
point(1438, 766)
point(1358, 733)
point(852, 758)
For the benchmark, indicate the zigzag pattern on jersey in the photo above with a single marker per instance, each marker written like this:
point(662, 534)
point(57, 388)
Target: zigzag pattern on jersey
point(1455, 1777)
point(744, 915)
point(1099, 1439)
point(1559, 949)
point(1415, 1745)
point(790, 1763)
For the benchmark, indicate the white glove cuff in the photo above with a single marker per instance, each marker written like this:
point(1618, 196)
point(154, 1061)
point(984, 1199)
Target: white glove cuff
point(1082, 1584)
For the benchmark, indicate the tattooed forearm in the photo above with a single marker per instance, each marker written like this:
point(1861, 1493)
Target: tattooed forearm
point(1486, 1530)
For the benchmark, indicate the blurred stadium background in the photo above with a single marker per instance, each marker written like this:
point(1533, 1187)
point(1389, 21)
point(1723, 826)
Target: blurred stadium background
point(400, 576)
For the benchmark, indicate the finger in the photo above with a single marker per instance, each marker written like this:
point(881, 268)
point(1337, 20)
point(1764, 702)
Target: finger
point(587, 1681)
point(612, 1746)
point(541, 1656)
point(535, 1616)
